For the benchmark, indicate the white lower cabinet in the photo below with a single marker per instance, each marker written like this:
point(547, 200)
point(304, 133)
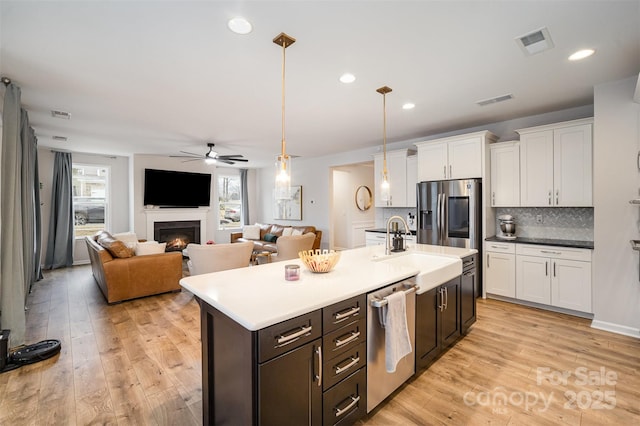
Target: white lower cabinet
point(533, 280)
point(555, 276)
point(500, 271)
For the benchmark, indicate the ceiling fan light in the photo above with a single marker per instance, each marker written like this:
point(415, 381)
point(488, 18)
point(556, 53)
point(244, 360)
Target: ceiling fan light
point(210, 160)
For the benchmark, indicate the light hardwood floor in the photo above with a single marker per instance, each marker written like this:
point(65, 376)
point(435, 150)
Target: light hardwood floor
point(138, 362)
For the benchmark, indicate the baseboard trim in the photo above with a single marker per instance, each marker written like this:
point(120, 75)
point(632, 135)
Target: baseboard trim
point(616, 328)
point(557, 309)
point(81, 262)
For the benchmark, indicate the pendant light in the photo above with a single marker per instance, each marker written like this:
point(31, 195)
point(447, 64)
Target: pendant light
point(283, 161)
point(385, 190)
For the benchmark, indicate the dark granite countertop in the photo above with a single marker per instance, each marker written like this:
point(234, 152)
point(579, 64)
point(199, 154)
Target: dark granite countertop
point(547, 242)
point(384, 231)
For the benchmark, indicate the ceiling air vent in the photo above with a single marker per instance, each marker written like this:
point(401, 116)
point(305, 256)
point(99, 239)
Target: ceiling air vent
point(61, 114)
point(495, 100)
point(60, 138)
point(535, 42)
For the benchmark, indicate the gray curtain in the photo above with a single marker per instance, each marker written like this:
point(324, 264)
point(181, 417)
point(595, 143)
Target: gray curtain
point(31, 223)
point(12, 266)
point(60, 239)
point(245, 196)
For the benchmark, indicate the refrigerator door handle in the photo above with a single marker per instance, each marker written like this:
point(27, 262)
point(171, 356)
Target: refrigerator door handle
point(443, 218)
point(438, 217)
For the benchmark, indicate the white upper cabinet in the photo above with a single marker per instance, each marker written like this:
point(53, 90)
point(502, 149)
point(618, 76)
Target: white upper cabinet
point(432, 161)
point(573, 166)
point(397, 175)
point(556, 165)
point(457, 157)
point(505, 174)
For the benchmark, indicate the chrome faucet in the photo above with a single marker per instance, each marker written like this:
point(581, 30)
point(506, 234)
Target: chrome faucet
point(387, 250)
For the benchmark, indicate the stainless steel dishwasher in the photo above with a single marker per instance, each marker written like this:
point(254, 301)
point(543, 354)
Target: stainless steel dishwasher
point(381, 384)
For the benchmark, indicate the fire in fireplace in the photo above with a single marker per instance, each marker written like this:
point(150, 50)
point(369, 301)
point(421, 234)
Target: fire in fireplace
point(177, 234)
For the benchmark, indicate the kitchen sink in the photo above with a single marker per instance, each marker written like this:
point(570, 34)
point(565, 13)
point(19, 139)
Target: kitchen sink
point(434, 270)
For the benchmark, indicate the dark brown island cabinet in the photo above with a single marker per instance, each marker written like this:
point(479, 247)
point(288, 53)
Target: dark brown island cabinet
point(445, 313)
point(307, 370)
point(311, 370)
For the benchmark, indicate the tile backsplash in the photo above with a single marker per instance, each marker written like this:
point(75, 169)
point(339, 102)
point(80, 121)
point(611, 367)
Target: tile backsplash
point(564, 223)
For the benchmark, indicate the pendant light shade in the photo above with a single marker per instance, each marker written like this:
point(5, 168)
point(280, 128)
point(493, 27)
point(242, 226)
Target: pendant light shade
point(283, 161)
point(385, 189)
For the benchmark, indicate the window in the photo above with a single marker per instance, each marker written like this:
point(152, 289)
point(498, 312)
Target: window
point(230, 201)
point(90, 198)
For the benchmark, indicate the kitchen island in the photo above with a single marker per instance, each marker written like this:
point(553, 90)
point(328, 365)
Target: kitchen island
point(263, 335)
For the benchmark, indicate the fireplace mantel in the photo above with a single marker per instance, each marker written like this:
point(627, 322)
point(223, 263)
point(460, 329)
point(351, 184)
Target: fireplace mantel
point(170, 215)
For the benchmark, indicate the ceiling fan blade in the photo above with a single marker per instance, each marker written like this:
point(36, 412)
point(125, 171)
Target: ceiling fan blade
point(193, 159)
point(185, 156)
point(225, 161)
point(230, 156)
point(192, 154)
point(233, 159)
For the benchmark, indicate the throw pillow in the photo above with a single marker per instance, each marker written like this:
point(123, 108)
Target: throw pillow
point(251, 232)
point(270, 238)
point(116, 247)
point(286, 232)
point(128, 238)
point(150, 247)
point(297, 232)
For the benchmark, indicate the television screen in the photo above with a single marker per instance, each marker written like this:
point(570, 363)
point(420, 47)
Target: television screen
point(167, 188)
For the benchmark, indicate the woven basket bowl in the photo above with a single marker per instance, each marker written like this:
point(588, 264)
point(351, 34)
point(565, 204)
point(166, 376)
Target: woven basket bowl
point(319, 260)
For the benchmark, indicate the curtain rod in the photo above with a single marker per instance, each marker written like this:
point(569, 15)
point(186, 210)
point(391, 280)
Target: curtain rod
point(113, 157)
point(5, 80)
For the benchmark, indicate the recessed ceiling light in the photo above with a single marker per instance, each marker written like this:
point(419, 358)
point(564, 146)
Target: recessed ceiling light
point(239, 25)
point(347, 78)
point(59, 138)
point(409, 105)
point(581, 54)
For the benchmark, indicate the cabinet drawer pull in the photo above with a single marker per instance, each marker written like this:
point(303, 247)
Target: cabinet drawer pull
point(353, 362)
point(444, 170)
point(354, 336)
point(549, 197)
point(342, 315)
point(319, 376)
point(551, 252)
point(354, 401)
point(557, 197)
point(546, 269)
point(285, 340)
point(446, 297)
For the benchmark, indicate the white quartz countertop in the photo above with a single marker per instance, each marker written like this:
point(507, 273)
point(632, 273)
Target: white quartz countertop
point(258, 296)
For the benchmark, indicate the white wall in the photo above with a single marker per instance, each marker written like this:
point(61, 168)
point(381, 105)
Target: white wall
point(616, 285)
point(119, 195)
point(348, 222)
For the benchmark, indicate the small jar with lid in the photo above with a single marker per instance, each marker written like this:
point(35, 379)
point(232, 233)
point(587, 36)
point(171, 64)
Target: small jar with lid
point(291, 272)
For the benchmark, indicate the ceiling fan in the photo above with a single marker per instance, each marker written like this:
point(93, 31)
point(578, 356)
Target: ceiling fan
point(211, 157)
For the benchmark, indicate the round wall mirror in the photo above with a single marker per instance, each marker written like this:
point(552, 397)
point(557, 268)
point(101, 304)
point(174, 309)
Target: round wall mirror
point(363, 197)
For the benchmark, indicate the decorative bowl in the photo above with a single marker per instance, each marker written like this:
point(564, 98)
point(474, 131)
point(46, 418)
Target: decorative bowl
point(319, 260)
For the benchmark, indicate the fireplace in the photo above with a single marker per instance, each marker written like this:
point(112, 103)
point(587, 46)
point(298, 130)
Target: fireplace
point(177, 234)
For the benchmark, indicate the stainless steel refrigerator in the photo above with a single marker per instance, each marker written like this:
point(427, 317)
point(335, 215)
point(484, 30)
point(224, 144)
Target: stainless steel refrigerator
point(450, 213)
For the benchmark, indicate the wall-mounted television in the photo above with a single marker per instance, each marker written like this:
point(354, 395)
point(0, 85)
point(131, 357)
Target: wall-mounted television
point(168, 188)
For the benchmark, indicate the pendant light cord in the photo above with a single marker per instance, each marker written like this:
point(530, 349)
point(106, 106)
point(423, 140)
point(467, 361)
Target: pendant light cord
point(284, 143)
point(384, 133)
